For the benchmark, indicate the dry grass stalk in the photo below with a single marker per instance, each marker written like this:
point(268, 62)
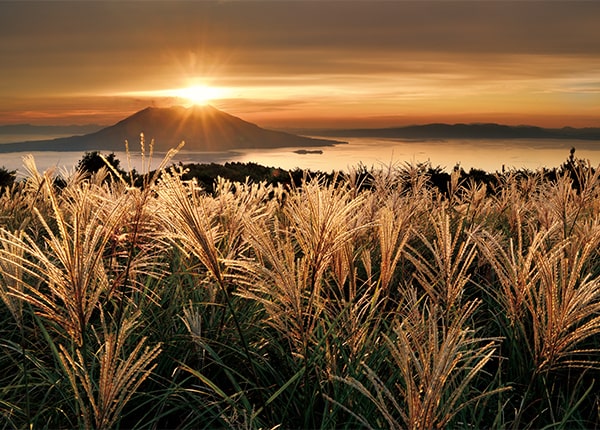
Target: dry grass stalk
point(11, 273)
point(437, 360)
point(443, 269)
point(191, 223)
point(280, 282)
point(438, 365)
point(355, 305)
point(192, 319)
point(564, 203)
point(565, 307)
point(294, 258)
point(234, 204)
point(194, 228)
point(547, 294)
point(35, 179)
point(343, 272)
point(511, 205)
point(393, 231)
point(321, 219)
point(102, 397)
point(35, 196)
point(515, 268)
point(69, 268)
point(414, 179)
point(474, 204)
point(15, 208)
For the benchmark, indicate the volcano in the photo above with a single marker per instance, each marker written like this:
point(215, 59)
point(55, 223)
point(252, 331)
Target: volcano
point(203, 128)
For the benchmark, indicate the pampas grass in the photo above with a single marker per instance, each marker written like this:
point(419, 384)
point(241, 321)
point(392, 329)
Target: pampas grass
point(368, 300)
point(103, 386)
point(70, 264)
point(442, 267)
point(437, 361)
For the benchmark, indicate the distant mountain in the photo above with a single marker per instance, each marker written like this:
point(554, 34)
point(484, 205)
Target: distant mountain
point(466, 131)
point(45, 130)
point(203, 128)
point(27, 132)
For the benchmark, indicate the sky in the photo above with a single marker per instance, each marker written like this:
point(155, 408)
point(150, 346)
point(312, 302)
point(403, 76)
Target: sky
point(293, 64)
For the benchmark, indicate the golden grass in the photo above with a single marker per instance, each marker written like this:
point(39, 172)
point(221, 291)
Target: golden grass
point(70, 263)
point(297, 255)
point(11, 273)
point(442, 268)
point(547, 294)
point(121, 369)
point(387, 300)
point(190, 219)
point(436, 360)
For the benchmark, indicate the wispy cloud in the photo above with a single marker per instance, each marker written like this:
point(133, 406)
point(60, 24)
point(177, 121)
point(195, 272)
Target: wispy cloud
point(387, 58)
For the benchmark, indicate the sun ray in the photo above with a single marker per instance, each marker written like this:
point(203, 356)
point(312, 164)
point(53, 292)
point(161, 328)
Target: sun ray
point(199, 94)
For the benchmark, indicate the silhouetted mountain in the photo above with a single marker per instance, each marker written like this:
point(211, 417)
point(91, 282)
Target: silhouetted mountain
point(203, 128)
point(467, 131)
point(28, 129)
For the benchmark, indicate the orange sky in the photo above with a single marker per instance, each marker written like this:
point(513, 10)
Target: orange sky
point(305, 63)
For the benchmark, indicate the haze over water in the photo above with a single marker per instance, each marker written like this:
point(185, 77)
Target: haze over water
point(487, 154)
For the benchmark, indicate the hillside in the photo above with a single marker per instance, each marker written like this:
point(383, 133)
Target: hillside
point(203, 128)
point(467, 131)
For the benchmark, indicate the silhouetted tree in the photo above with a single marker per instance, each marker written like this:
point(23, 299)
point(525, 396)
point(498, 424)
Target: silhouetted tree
point(206, 174)
point(575, 168)
point(7, 177)
point(91, 162)
point(439, 179)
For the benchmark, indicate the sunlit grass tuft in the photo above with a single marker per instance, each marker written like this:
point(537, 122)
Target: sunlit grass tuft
point(375, 299)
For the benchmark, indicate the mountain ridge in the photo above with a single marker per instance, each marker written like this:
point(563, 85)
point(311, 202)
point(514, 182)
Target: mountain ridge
point(203, 128)
point(31, 129)
point(466, 131)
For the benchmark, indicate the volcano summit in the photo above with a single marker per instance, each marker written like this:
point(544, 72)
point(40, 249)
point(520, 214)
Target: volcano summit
point(203, 128)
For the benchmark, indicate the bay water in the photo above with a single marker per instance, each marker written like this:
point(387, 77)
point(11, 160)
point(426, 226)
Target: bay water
point(490, 155)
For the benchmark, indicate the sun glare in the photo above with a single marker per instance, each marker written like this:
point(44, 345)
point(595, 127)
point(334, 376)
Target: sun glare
point(199, 94)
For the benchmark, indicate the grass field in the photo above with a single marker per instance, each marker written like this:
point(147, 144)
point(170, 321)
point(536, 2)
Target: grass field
point(364, 301)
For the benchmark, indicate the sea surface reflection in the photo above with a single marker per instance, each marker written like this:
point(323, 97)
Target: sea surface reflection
point(486, 154)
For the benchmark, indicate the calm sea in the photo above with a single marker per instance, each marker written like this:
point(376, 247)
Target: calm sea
point(487, 154)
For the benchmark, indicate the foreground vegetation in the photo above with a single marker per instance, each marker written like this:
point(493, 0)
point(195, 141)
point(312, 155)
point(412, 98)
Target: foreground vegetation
point(382, 298)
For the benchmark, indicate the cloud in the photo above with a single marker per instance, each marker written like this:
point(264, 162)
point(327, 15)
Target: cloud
point(384, 55)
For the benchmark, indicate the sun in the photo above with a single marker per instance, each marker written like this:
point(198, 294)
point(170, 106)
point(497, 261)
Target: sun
point(199, 94)
point(196, 94)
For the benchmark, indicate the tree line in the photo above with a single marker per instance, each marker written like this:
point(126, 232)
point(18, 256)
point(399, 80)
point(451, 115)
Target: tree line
point(206, 173)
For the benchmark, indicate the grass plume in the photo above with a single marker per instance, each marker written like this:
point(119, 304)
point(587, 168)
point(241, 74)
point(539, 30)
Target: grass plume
point(393, 297)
